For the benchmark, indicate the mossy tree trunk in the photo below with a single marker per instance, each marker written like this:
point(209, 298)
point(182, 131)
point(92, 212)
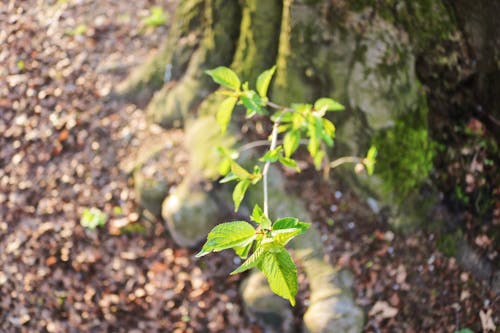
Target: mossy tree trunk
point(363, 53)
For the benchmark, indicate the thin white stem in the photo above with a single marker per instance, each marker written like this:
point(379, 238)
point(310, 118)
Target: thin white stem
point(279, 107)
point(274, 140)
point(263, 143)
point(345, 159)
point(254, 144)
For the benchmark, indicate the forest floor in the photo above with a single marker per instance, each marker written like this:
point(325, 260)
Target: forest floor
point(61, 141)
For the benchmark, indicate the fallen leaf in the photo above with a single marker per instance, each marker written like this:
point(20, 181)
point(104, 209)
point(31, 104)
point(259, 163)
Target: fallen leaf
point(486, 321)
point(383, 310)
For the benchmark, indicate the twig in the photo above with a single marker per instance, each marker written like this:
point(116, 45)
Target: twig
point(274, 139)
point(345, 159)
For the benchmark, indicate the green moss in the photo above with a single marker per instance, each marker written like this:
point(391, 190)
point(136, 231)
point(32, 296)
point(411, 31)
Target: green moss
point(426, 21)
point(259, 32)
point(405, 153)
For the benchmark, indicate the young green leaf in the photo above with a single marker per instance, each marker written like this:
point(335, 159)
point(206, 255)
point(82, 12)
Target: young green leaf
point(239, 171)
point(242, 251)
point(224, 166)
point(290, 222)
point(281, 273)
point(264, 80)
point(289, 162)
point(228, 178)
point(314, 134)
point(259, 217)
point(291, 142)
point(239, 192)
point(252, 102)
point(283, 236)
point(225, 77)
point(328, 104)
point(251, 262)
point(225, 111)
point(92, 218)
point(256, 175)
point(272, 155)
point(228, 235)
point(370, 160)
point(329, 128)
point(303, 109)
point(318, 159)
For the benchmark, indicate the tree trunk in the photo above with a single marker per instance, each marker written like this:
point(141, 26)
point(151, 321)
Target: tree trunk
point(363, 53)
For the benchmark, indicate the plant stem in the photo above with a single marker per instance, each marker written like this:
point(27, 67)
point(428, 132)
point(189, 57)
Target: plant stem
point(274, 139)
point(345, 159)
point(279, 107)
point(262, 143)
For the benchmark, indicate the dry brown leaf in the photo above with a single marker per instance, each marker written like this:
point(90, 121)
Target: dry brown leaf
point(383, 310)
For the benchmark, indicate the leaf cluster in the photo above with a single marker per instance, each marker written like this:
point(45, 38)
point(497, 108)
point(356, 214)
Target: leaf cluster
point(296, 124)
point(263, 246)
point(268, 242)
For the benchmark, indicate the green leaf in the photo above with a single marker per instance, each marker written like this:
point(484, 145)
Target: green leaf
point(228, 235)
point(252, 102)
point(242, 251)
point(313, 134)
point(251, 262)
point(224, 167)
point(259, 217)
point(256, 175)
point(264, 80)
point(289, 162)
point(329, 128)
point(328, 104)
point(281, 273)
point(291, 142)
point(228, 178)
point(465, 330)
point(283, 236)
point(370, 160)
point(239, 171)
point(156, 18)
point(290, 222)
point(224, 113)
point(318, 159)
point(285, 229)
point(272, 155)
point(225, 77)
point(92, 218)
point(239, 193)
point(298, 120)
point(302, 108)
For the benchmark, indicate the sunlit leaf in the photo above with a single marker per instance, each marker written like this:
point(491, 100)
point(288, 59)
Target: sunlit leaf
point(225, 111)
point(259, 217)
point(228, 235)
point(92, 218)
point(239, 192)
point(328, 104)
point(225, 77)
point(281, 273)
point(272, 155)
point(290, 222)
point(283, 236)
point(291, 142)
point(239, 171)
point(252, 102)
point(251, 262)
point(289, 162)
point(242, 251)
point(370, 160)
point(264, 80)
